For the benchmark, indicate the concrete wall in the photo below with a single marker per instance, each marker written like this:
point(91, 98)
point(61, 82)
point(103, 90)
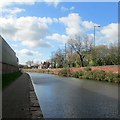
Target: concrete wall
point(0, 54)
point(9, 60)
point(0, 80)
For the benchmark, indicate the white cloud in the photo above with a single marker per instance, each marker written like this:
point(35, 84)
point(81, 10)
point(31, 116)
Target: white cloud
point(26, 52)
point(58, 37)
point(33, 31)
point(72, 23)
point(88, 25)
point(52, 2)
point(55, 20)
point(25, 55)
point(110, 31)
point(108, 34)
point(37, 44)
point(75, 25)
point(64, 8)
point(6, 3)
point(67, 9)
point(11, 12)
point(72, 8)
point(29, 30)
point(14, 45)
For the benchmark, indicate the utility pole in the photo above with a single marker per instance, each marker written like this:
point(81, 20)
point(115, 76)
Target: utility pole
point(95, 41)
point(65, 57)
point(71, 57)
point(94, 37)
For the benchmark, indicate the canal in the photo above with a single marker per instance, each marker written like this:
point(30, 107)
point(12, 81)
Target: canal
point(61, 97)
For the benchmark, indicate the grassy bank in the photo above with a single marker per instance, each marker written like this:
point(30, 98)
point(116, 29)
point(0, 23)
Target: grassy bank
point(89, 74)
point(8, 78)
point(85, 73)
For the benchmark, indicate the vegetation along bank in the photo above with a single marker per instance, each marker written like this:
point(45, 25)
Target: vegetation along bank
point(104, 73)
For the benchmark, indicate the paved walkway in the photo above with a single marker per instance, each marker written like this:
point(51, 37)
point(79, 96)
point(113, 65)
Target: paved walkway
point(16, 99)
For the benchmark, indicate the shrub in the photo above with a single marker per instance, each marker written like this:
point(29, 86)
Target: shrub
point(112, 77)
point(87, 69)
point(87, 75)
point(48, 71)
point(75, 74)
point(81, 73)
point(116, 80)
point(65, 72)
point(40, 71)
point(51, 72)
point(109, 77)
point(98, 75)
point(118, 77)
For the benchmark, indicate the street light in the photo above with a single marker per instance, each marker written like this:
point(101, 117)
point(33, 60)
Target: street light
point(94, 39)
point(94, 32)
point(65, 57)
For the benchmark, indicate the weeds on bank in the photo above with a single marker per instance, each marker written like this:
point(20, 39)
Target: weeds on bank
point(87, 73)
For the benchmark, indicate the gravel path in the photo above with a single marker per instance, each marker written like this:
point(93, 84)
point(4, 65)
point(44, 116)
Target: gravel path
point(19, 100)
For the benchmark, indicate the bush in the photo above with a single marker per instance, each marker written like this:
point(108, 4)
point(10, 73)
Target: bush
point(87, 69)
point(51, 72)
point(109, 76)
point(87, 75)
point(112, 77)
point(75, 74)
point(81, 73)
point(116, 80)
point(98, 75)
point(65, 72)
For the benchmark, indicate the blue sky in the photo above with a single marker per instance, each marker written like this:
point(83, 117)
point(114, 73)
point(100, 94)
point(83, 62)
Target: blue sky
point(35, 30)
point(94, 11)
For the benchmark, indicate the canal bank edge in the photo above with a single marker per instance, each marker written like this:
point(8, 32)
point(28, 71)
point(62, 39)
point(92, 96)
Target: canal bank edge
point(35, 109)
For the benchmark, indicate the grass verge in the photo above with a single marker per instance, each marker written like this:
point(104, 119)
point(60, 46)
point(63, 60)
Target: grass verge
point(86, 73)
point(8, 78)
point(98, 75)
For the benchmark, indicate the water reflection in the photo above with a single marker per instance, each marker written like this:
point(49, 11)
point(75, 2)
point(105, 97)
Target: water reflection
point(73, 98)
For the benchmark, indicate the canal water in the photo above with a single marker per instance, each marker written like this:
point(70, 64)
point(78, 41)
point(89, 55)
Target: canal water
point(61, 97)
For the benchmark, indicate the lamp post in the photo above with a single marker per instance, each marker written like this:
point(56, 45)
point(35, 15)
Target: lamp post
point(94, 33)
point(94, 39)
point(65, 57)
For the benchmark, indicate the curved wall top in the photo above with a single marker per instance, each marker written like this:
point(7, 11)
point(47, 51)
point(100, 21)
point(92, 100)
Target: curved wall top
point(8, 54)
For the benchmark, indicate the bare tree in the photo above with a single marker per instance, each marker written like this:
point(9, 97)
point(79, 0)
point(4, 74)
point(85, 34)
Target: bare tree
point(71, 56)
point(29, 63)
point(58, 58)
point(80, 45)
